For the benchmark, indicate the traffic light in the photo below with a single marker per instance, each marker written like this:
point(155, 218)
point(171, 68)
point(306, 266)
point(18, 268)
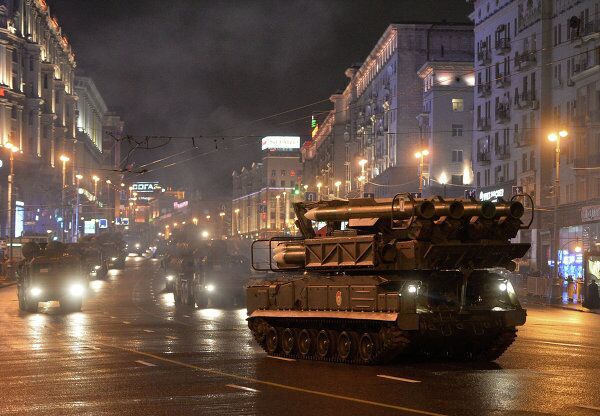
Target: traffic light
point(296, 190)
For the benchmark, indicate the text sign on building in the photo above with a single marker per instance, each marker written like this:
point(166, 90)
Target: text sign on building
point(180, 205)
point(496, 193)
point(590, 213)
point(89, 227)
point(280, 142)
point(145, 187)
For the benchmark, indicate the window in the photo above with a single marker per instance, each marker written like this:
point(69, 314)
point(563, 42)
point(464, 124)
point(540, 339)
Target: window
point(292, 184)
point(478, 179)
point(273, 173)
point(45, 81)
point(457, 155)
point(458, 104)
point(524, 163)
point(457, 179)
point(283, 172)
point(13, 112)
point(283, 184)
point(457, 130)
point(273, 183)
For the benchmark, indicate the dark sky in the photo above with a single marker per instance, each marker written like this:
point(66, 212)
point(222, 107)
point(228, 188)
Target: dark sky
point(191, 68)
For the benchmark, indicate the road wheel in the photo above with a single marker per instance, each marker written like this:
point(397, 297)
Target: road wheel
point(31, 305)
point(345, 345)
point(325, 345)
point(272, 340)
point(288, 341)
point(367, 347)
point(306, 342)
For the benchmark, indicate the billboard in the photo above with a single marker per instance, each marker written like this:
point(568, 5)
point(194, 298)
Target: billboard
point(280, 142)
point(89, 227)
point(145, 187)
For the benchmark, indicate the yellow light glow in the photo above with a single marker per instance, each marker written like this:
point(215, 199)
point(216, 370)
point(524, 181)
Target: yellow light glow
point(95, 178)
point(577, 249)
point(443, 178)
point(563, 133)
point(418, 155)
point(338, 183)
point(425, 152)
point(108, 181)
point(78, 176)
point(362, 162)
point(553, 137)
point(64, 158)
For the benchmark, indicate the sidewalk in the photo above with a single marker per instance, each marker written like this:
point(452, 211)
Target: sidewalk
point(577, 307)
point(4, 282)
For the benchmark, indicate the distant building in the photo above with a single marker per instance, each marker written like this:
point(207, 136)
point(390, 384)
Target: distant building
point(264, 192)
point(445, 127)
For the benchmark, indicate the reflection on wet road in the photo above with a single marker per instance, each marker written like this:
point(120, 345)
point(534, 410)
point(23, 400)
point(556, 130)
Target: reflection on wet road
point(132, 351)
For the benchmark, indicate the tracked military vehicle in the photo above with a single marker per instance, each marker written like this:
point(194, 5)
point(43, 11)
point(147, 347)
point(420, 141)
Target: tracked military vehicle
point(388, 277)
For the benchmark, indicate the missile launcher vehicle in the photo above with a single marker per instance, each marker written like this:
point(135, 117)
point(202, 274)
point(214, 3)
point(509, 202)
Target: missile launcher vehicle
point(382, 278)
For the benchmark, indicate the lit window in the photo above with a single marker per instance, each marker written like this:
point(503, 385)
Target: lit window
point(458, 104)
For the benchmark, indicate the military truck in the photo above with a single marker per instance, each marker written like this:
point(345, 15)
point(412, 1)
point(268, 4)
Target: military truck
point(388, 277)
point(50, 274)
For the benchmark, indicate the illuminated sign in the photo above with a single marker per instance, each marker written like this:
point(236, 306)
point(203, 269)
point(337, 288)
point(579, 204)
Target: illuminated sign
point(314, 132)
point(145, 187)
point(280, 142)
point(313, 122)
point(180, 205)
point(496, 193)
point(102, 223)
point(89, 227)
point(19, 218)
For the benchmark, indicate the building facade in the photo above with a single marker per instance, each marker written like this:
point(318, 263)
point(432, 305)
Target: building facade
point(537, 72)
point(263, 195)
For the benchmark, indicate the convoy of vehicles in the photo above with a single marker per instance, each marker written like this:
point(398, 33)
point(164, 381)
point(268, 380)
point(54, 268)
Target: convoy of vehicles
point(390, 277)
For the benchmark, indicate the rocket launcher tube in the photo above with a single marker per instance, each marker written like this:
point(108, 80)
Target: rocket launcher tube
point(485, 209)
point(402, 210)
point(514, 209)
point(453, 209)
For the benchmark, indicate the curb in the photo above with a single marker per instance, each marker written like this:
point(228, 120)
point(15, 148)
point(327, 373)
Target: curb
point(566, 308)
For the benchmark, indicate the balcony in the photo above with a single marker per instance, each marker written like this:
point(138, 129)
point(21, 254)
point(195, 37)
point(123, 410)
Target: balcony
point(483, 123)
point(484, 157)
point(590, 161)
point(484, 56)
point(503, 113)
point(525, 60)
point(583, 69)
point(502, 151)
point(502, 45)
point(528, 17)
point(484, 89)
point(526, 101)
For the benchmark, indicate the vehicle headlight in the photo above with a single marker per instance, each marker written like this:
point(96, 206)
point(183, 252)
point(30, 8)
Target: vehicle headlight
point(36, 291)
point(210, 288)
point(113, 259)
point(502, 287)
point(412, 289)
point(169, 278)
point(97, 267)
point(76, 289)
point(137, 245)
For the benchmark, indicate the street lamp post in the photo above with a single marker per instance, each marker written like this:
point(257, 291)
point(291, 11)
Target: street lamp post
point(319, 185)
point(285, 207)
point(555, 137)
point(78, 177)
point(421, 156)
point(337, 188)
point(222, 215)
point(363, 176)
point(277, 212)
point(64, 159)
point(12, 149)
point(237, 221)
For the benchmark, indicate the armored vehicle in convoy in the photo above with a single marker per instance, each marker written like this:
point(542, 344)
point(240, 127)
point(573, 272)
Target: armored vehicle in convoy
point(389, 277)
point(50, 274)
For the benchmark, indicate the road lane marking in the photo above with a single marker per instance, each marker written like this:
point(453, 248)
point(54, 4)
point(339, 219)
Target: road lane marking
point(277, 385)
point(186, 316)
point(235, 386)
point(406, 380)
point(146, 363)
point(148, 330)
point(126, 322)
point(281, 358)
point(171, 337)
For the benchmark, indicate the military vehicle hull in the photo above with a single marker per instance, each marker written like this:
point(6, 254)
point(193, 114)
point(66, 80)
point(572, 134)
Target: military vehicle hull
point(370, 319)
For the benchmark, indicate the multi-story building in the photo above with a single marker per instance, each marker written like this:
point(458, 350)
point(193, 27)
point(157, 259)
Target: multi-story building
point(37, 112)
point(536, 74)
point(375, 118)
point(445, 127)
point(263, 193)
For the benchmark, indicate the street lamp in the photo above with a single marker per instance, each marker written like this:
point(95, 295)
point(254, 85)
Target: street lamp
point(555, 137)
point(78, 178)
point(12, 149)
point(421, 156)
point(208, 217)
point(277, 212)
point(64, 159)
point(337, 188)
point(195, 221)
point(319, 185)
point(444, 181)
point(95, 179)
point(237, 221)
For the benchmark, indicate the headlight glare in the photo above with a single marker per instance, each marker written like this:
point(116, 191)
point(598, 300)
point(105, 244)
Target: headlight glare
point(36, 291)
point(210, 287)
point(412, 289)
point(502, 287)
point(76, 289)
point(169, 278)
point(97, 267)
point(113, 259)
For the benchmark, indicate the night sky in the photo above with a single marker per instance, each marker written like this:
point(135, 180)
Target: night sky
point(210, 68)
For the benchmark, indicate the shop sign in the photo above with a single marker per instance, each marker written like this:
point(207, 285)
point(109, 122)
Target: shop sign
point(590, 213)
point(280, 142)
point(496, 193)
point(180, 205)
point(145, 187)
point(89, 227)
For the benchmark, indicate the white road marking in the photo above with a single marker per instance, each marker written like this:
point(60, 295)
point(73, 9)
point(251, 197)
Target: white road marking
point(406, 380)
point(146, 363)
point(171, 337)
point(148, 330)
point(235, 386)
point(588, 407)
point(562, 344)
point(281, 358)
point(186, 316)
point(126, 322)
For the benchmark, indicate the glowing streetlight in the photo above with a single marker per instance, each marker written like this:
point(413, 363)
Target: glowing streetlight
point(319, 185)
point(337, 188)
point(208, 217)
point(555, 138)
point(195, 221)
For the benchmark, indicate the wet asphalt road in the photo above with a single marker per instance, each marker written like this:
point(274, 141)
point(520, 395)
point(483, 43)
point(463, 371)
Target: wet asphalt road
point(131, 352)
